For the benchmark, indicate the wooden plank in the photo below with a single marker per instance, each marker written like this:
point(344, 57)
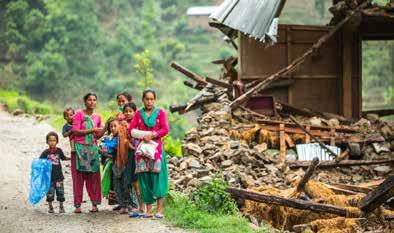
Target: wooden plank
point(282, 142)
point(343, 163)
point(307, 136)
point(340, 190)
point(378, 196)
point(188, 73)
point(289, 141)
point(308, 174)
point(289, 59)
point(347, 72)
point(353, 188)
point(217, 82)
point(288, 202)
point(182, 108)
point(287, 124)
point(382, 112)
point(332, 137)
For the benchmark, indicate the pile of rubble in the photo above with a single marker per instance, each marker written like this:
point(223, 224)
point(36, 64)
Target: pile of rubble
point(235, 146)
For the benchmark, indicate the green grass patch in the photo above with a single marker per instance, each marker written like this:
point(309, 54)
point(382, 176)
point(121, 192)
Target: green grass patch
point(15, 100)
point(181, 212)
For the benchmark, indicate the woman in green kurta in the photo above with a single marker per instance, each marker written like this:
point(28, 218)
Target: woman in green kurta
point(152, 173)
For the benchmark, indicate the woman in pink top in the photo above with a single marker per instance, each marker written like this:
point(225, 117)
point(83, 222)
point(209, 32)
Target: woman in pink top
point(152, 173)
point(87, 128)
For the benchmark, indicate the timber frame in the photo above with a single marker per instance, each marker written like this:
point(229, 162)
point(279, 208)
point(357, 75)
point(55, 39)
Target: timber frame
point(330, 80)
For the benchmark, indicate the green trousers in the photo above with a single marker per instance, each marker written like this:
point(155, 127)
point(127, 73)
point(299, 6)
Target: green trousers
point(154, 185)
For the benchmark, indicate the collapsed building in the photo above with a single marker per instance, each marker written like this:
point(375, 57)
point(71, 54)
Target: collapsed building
point(284, 126)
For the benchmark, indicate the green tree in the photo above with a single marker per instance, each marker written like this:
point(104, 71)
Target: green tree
point(144, 69)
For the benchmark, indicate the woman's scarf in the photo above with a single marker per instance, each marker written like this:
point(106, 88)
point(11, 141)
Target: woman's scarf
point(123, 147)
point(150, 121)
point(87, 154)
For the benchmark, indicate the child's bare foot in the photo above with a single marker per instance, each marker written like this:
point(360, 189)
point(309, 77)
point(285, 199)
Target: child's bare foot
point(123, 211)
point(61, 208)
point(50, 208)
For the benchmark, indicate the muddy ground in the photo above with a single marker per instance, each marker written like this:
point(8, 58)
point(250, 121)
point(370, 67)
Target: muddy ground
point(21, 140)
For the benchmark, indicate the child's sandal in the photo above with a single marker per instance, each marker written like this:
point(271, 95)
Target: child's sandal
point(61, 210)
point(51, 211)
point(159, 216)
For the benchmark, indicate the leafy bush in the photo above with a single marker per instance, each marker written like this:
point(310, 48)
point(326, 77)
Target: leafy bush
point(213, 198)
point(14, 100)
point(173, 146)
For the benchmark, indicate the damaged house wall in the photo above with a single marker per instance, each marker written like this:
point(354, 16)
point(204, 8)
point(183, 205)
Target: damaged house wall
point(328, 81)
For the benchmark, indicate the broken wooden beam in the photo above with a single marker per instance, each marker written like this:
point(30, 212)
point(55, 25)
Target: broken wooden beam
point(382, 112)
point(353, 188)
point(289, 202)
point(289, 109)
point(193, 85)
point(287, 124)
point(308, 174)
point(378, 196)
point(340, 190)
point(260, 85)
point(343, 163)
point(205, 91)
point(314, 138)
point(217, 82)
point(188, 73)
point(181, 108)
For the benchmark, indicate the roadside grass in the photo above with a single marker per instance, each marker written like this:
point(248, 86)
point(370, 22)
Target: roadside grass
point(15, 100)
point(182, 213)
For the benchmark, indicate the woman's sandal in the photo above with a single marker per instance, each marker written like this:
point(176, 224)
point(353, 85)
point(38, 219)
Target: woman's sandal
point(78, 210)
point(159, 216)
point(61, 210)
point(94, 210)
point(51, 211)
point(147, 216)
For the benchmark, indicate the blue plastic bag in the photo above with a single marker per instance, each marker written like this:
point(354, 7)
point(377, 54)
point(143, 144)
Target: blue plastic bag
point(40, 180)
point(110, 144)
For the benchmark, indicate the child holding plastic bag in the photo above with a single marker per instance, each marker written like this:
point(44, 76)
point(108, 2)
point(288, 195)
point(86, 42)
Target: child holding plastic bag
point(55, 154)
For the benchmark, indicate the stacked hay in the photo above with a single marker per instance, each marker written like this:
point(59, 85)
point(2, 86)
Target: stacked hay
point(286, 218)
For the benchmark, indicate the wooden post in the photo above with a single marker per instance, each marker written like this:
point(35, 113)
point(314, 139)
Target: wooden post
point(332, 137)
point(282, 141)
point(347, 39)
point(307, 137)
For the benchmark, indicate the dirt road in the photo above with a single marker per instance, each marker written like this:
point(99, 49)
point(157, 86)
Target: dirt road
point(21, 140)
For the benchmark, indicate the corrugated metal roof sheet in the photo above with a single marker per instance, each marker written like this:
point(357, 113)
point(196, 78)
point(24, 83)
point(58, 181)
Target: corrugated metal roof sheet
point(201, 10)
point(256, 18)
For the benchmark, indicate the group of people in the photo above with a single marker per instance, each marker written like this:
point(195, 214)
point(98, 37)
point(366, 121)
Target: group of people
point(128, 147)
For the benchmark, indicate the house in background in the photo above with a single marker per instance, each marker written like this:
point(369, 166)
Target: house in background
point(198, 17)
